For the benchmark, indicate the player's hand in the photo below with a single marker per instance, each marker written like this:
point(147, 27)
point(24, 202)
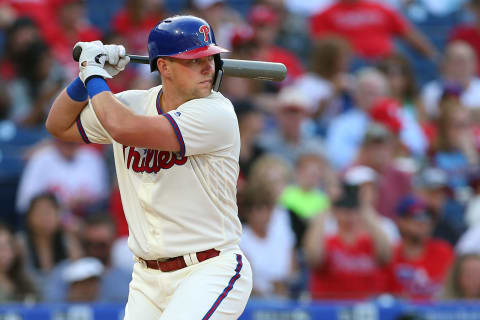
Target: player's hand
point(117, 59)
point(92, 60)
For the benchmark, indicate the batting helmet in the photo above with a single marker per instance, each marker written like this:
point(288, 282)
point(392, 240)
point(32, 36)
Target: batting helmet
point(183, 37)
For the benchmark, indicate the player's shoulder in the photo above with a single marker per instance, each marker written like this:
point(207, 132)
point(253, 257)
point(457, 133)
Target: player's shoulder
point(136, 98)
point(214, 102)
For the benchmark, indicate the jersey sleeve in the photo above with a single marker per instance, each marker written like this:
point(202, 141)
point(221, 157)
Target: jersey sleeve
point(90, 127)
point(204, 125)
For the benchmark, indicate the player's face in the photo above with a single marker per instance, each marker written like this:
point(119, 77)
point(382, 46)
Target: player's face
point(193, 78)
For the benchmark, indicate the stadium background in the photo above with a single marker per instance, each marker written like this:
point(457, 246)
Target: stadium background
point(345, 104)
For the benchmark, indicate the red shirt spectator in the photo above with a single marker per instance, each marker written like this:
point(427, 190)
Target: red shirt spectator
point(266, 24)
point(135, 21)
point(369, 26)
point(420, 278)
point(471, 35)
point(420, 263)
point(350, 271)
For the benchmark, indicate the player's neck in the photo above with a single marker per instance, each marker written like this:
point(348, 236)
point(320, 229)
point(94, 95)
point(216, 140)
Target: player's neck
point(170, 102)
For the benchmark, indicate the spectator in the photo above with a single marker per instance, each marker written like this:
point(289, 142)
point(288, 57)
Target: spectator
point(70, 24)
point(221, 17)
point(346, 264)
point(97, 237)
point(15, 283)
point(455, 146)
point(379, 151)
point(135, 20)
point(266, 26)
point(463, 281)
point(19, 34)
point(309, 195)
point(45, 244)
point(369, 26)
point(431, 184)
point(328, 85)
point(458, 77)
point(346, 132)
point(83, 278)
point(470, 33)
point(251, 123)
point(288, 139)
point(76, 174)
point(420, 263)
point(38, 81)
point(267, 244)
point(403, 88)
point(369, 184)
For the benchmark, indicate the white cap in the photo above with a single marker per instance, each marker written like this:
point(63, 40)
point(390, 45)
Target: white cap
point(82, 269)
point(204, 4)
point(359, 175)
point(291, 96)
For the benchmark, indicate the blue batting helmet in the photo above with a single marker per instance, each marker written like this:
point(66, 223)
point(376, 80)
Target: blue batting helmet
point(183, 37)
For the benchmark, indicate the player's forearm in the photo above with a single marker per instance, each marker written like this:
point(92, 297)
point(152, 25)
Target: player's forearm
point(63, 114)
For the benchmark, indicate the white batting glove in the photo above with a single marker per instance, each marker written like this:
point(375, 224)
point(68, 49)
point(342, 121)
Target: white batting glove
point(92, 60)
point(117, 59)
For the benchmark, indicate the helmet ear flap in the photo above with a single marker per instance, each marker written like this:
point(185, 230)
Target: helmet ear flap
point(217, 80)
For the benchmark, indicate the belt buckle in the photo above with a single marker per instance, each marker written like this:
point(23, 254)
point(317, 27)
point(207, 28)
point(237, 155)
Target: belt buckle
point(142, 262)
point(158, 264)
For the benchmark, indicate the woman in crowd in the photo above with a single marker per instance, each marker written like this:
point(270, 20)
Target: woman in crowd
point(15, 283)
point(464, 279)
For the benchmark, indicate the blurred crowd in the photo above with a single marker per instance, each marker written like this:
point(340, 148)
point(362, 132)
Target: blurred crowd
point(359, 173)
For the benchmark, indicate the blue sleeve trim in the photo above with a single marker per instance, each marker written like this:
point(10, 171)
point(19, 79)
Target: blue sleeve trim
point(177, 133)
point(80, 128)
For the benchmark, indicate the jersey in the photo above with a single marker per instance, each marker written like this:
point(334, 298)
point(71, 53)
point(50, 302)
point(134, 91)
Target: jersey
point(177, 203)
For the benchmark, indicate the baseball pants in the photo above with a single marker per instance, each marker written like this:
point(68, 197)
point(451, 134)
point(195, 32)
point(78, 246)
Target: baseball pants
point(216, 289)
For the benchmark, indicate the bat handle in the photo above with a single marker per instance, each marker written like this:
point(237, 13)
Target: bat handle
point(77, 51)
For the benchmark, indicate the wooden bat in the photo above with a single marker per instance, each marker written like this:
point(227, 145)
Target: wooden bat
point(259, 70)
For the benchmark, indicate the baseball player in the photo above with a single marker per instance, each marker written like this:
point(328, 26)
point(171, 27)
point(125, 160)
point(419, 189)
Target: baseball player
point(176, 149)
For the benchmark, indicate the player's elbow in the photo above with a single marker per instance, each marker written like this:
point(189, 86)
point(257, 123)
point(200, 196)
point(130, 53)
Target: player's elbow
point(52, 127)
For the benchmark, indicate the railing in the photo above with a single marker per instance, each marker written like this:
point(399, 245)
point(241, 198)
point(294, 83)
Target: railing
point(383, 309)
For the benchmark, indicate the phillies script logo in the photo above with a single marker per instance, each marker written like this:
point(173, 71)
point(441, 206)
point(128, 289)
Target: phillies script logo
point(152, 160)
point(206, 31)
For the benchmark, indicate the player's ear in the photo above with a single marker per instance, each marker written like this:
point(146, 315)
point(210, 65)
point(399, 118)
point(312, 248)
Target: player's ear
point(163, 66)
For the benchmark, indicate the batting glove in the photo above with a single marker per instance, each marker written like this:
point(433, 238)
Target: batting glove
point(92, 60)
point(117, 59)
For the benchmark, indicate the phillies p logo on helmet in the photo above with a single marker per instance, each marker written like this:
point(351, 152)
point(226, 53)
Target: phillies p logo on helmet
point(205, 30)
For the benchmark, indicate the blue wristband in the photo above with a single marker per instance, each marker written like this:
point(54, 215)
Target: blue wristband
point(77, 91)
point(96, 85)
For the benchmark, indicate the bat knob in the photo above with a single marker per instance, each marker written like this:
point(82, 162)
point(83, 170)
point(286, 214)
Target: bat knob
point(77, 51)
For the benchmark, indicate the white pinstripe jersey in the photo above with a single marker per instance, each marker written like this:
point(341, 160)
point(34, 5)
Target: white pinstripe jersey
point(177, 203)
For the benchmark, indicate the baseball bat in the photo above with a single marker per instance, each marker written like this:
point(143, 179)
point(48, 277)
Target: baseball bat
point(258, 70)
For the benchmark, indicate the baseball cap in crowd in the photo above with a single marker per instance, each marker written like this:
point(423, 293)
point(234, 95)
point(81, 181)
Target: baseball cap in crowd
point(204, 4)
point(83, 269)
point(377, 132)
point(358, 175)
point(387, 112)
point(291, 97)
point(431, 178)
point(412, 206)
point(262, 15)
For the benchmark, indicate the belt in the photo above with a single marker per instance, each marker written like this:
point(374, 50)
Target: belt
point(179, 262)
